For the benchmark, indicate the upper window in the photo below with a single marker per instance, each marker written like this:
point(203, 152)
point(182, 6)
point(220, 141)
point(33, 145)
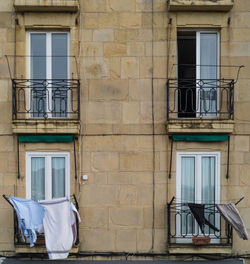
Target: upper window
point(198, 73)
point(48, 71)
point(47, 175)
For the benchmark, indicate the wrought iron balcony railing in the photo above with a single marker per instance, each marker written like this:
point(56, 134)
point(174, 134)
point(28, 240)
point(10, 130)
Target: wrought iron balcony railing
point(200, 99)
point(182, 226)
point(46, 99)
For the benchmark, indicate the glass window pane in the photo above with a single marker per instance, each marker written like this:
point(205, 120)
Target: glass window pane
point(208, 54)
point(187, 179)
point(38, 72)
point(38, 56)
point(59, 73)
point(208, 189)
point(208, 179)
point(37, 178)
point(59, 55)
point(58, 177)
point(208, 57)
point(187, 193)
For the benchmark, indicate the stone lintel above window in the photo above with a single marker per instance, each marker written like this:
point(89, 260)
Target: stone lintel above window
point(46, 5)
point(200, 5)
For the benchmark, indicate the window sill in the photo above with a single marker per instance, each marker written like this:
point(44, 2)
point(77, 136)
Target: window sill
point(200, 5)
point(39, 249)
point(200, 126)
point(47, 5)
point(192, 249)
point(46, 127)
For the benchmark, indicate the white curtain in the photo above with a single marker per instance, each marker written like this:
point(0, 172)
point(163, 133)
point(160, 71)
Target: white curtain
point(58, 177)
point(37, 178)
point(187, 192)
point(38, 71)
point(208, 56)
point(59, 48)
point(208, 189)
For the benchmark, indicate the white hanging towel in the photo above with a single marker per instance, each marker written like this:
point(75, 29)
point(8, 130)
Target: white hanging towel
point(57, 223)
point(232, 216)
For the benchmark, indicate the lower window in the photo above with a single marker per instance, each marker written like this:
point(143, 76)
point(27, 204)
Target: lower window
point(198, 181)
point(47, 175)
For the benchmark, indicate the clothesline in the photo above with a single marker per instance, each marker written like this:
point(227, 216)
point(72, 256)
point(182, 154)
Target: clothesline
point(181, 202)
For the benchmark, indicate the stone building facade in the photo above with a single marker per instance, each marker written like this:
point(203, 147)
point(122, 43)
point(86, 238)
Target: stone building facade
point(126, 117)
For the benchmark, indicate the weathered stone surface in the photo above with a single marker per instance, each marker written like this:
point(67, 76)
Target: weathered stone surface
point(143, 5)
point(121, 5)
point(135, 161)
point(100, 239)
point(130, 112)
point(101, 112)
point(126, 216)
point(135, 49)
point(105, 90)
point(115, 68)
point(241, 143)
point(130, 20)
point(127, 195)
point(103, 35)
point(96, 68)
point(125, 34)
point(144, 239)
point(101, 20)
point(115, 49)
point(105, 161)
point(146, 69)
point(129, 68)
point(94, 5)
point(6, 235)
point(126, 240)
point(94, 217)
point(92, 49)
point(99, 195)
point(140, 90)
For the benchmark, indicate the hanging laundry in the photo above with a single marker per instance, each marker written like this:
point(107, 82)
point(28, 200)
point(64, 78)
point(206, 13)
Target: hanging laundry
point(197, 211)
point(232, 216)
point(57, 223)
point(30, 217)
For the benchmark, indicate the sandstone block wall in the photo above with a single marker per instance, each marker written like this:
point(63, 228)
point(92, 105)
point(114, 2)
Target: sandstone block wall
point(125, 50)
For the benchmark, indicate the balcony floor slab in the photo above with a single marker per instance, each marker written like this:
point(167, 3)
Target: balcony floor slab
point(192, 249)
point(46, 127)
point(200, 126)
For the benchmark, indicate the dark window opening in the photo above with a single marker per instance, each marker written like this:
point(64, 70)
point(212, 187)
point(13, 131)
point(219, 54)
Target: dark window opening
point(186, 74)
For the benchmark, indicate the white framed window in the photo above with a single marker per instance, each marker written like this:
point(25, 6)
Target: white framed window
point(197, 181)
point(47, 175)
point(198, 73)
point(48, 68)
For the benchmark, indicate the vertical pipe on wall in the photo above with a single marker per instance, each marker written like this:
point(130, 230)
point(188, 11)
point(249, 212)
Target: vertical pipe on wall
point(18, 161)
point(228, 157)
point(153, 132)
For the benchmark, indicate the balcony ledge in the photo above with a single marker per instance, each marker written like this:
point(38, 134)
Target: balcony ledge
point(46, 127)
point(46, 5)
point(39, 249)
point(192, 249)
point(200, 126)
point(200, 5)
